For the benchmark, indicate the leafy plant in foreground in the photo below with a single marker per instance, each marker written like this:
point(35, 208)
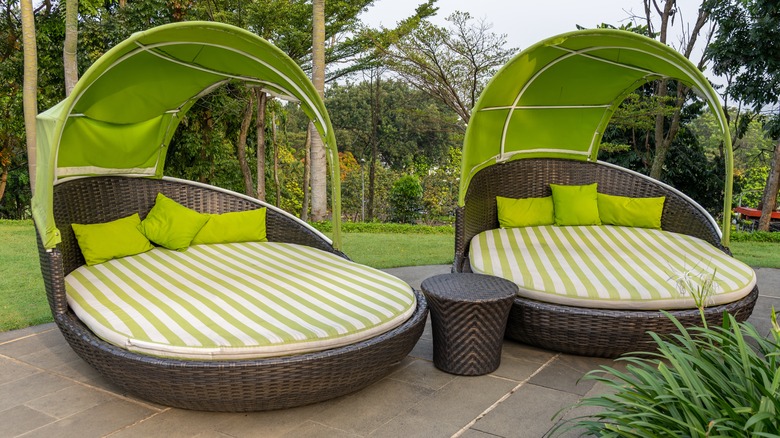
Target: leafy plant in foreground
point(702, 382)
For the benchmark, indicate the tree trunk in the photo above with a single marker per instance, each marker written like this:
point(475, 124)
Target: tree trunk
point(306, 175)
point(276, 160)
point(260, 123)
point(770, 191)
point(70, 46)
point(3, 182)
point(374, 146)
point(30, 89)
point(319, 167)
point(249, 188)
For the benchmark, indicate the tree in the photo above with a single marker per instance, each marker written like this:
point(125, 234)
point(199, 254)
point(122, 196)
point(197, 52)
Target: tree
point(745, 48)
point(319, 167)
point(30, 85)
point(390, 123)
point(70, 47)
point(453, 65)
point(665, 129)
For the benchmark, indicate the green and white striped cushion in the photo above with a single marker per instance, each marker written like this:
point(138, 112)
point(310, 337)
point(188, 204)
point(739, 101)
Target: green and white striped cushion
point(608, 267)
point(236, 301)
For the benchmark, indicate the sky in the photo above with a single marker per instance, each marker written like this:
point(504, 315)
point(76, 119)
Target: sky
point(526, 22)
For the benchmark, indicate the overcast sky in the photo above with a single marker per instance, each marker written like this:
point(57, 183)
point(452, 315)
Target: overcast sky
point(526, 22)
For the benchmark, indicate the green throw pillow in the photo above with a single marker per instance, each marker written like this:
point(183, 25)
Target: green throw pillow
point(631, 212)
point(524, 212)
point(171, 224)
point(575, 205)
point(111, 240)
point(239, 226)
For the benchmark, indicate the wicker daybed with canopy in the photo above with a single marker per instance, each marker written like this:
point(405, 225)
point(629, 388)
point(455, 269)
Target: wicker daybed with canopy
point(101, 154)
point(538, 125)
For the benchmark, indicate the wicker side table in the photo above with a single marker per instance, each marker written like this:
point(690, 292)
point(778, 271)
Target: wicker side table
point(468, 317)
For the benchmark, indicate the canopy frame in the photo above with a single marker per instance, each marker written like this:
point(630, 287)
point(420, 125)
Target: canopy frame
point(544, 84)
point(208, 55)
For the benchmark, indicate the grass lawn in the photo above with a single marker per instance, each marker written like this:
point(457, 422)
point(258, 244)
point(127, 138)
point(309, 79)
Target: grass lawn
point(763, 254)
point(23, 300)
point(22, 297)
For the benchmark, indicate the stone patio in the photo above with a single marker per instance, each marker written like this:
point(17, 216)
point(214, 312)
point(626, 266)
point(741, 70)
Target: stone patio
point(46, 390)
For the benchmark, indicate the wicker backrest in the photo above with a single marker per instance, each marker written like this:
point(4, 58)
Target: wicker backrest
point(531, 178)
point(103, 199)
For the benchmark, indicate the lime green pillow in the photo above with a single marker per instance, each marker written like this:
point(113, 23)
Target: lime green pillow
point(631, 212)
point(111, 240)
point(239, 226)
point(575, 205)
point(171, 224)
point(524, 212)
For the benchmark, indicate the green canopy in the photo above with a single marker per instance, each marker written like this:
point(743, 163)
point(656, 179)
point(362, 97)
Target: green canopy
point(555, 99)
point(124, 110)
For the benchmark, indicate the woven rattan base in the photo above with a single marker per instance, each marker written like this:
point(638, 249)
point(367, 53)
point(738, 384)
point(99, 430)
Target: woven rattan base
point(606, 333)
point(468, 318)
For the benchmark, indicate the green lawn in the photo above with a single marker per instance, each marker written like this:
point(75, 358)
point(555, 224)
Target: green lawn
point(763, 254)
point(23, 301)
point(22, 298)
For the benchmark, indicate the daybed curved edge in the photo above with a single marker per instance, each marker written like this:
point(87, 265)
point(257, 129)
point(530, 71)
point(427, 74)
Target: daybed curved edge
point(603, 332)
point(237, 385)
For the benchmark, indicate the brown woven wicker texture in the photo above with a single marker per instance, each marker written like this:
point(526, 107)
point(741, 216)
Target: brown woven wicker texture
point(239, 385)
point(468, 317)
point(590, 332)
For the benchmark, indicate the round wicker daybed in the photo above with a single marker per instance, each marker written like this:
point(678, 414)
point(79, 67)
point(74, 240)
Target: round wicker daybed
point(101, 156)
point(539, 122)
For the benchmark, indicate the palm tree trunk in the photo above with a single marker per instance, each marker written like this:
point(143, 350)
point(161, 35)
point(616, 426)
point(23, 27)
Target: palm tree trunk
point(70, 46)
point(30, 90)
point(319, 183)
point(306, 175)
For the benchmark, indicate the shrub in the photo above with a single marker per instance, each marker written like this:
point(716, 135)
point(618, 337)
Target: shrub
point(755, 236)
point(722, 381)
point(406, 200)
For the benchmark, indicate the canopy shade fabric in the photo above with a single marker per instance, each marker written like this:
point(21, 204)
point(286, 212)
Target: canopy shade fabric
point(555, 99)
point(124, 110)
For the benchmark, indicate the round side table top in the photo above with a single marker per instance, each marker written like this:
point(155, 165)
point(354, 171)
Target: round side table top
point(468, 287)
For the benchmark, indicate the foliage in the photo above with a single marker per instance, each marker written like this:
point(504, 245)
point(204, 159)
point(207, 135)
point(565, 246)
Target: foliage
point(412, 127)
point(749, 186)
point(385, 228)
point(688, 167)
point(406, 200)
point(451, 64)
point(745, 48)
point(755, 236)
point(440, 188)
point(721, 381)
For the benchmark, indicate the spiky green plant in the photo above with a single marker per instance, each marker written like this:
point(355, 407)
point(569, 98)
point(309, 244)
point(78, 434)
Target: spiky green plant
point(720, 381)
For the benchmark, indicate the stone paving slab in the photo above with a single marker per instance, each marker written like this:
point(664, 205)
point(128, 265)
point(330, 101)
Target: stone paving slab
point(46, 390)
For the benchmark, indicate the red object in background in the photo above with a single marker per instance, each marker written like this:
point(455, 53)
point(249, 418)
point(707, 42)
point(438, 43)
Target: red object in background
point(754, 213)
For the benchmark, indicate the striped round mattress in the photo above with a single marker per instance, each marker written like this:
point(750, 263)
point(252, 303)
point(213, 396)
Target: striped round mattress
point(236, 301)
point(609, 267)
